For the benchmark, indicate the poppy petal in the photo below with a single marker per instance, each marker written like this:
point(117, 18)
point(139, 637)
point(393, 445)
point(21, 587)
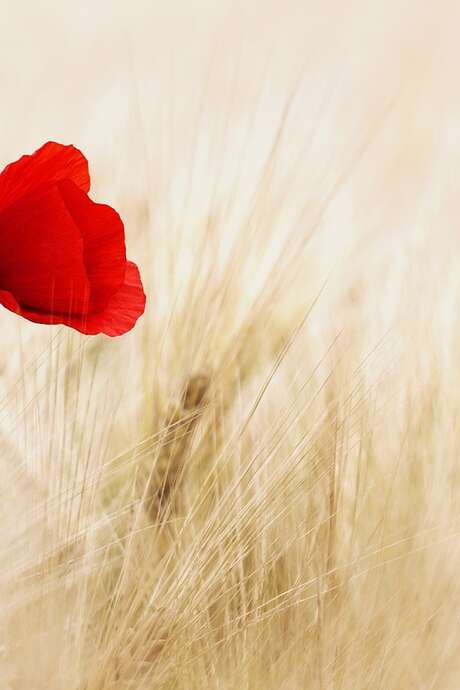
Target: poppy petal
point(123, 308)
point(41, 254)
point(8, 301)
point(103, 236)
point(119, 316)
point(50, 163)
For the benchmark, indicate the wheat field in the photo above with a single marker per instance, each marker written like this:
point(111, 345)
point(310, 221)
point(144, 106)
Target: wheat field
point(258, 488)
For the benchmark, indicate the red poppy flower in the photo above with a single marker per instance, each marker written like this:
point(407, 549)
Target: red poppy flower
point(62, 256)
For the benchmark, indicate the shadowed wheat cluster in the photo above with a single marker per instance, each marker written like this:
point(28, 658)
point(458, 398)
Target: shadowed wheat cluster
point(259, 486)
